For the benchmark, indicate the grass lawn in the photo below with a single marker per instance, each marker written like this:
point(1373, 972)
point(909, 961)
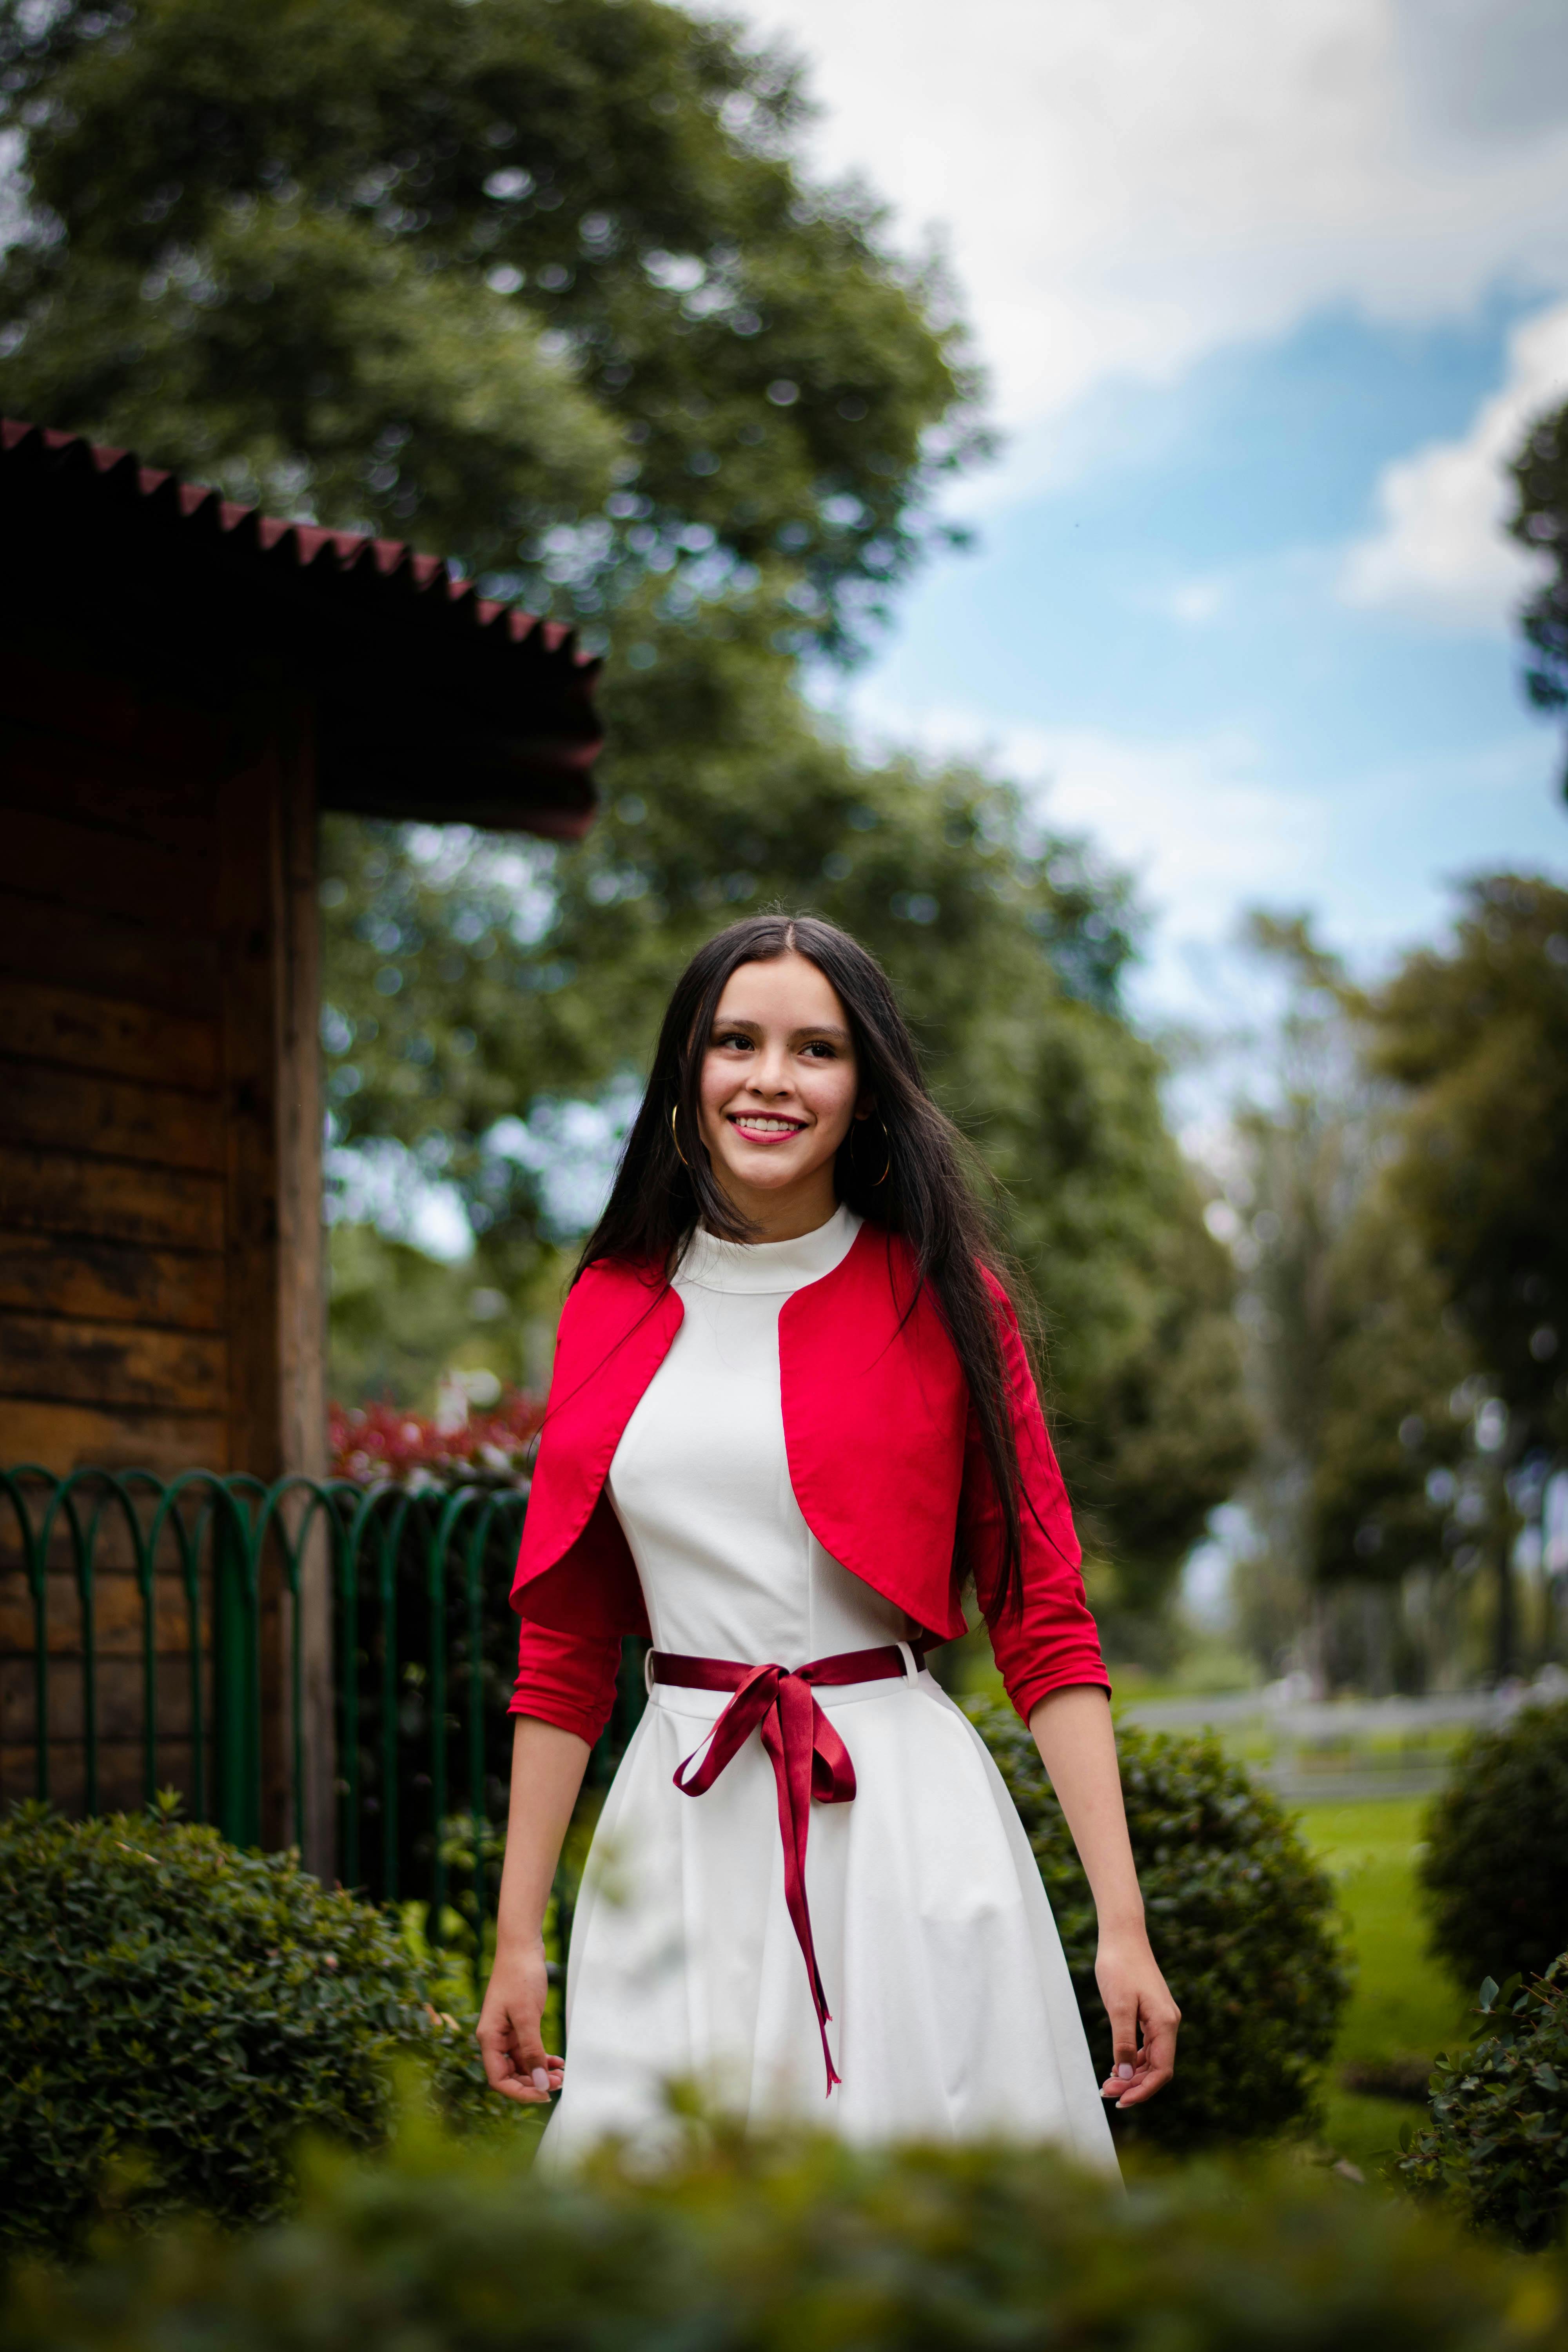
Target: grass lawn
point(1403, 2008)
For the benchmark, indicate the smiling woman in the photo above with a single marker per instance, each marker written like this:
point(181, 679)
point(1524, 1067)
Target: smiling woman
point(792, 1415)
point(779, 1089)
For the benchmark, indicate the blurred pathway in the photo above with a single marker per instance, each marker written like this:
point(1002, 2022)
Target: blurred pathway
point(1330, 1751)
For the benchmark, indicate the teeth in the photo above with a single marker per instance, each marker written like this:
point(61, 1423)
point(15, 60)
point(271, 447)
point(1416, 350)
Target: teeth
point(769, 1126)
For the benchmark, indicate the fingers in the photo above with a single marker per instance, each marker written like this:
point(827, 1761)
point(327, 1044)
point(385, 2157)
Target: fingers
point(516, 2061)
point(1137, 2076)
point(1122, 2010)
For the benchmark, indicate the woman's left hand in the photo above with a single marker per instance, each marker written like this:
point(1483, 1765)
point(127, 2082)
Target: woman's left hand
point(1143, 2019)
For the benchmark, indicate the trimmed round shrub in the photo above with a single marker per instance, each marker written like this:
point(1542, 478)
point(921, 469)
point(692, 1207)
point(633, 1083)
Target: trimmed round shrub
point(175, 2013)
point(1243, 1921)
point(1498, 2141)
point(1495, 1871)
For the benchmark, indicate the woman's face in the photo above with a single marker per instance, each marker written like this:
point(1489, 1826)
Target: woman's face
point(779, 1088)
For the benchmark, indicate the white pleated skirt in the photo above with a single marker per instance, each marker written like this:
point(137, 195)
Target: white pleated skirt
point(954, 2014)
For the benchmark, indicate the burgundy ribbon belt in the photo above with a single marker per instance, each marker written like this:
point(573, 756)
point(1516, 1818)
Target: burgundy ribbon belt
point(808, 1757)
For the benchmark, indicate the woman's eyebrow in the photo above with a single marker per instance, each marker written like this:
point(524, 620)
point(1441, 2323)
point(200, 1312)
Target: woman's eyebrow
point(827, 1029)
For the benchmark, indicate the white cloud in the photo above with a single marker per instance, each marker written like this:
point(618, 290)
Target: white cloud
point(1210, 823)
point(1124, 187)
point(1198, 822)
point(1440, 553)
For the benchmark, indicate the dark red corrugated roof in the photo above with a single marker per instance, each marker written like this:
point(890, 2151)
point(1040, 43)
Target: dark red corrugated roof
point(434, 700)
point(307, 541)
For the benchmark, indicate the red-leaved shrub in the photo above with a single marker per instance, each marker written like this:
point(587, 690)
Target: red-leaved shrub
point(370, 1442)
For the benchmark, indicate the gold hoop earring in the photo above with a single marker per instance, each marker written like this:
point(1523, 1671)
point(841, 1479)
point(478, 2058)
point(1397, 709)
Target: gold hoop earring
point(676, 1140)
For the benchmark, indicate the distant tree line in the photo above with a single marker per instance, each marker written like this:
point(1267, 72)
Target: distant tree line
point(1397, 1208)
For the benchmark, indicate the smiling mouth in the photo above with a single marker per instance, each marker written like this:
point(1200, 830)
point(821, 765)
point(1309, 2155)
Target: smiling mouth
point(760, 1124)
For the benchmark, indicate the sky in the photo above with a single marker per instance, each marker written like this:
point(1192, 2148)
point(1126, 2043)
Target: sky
point(1265, 296)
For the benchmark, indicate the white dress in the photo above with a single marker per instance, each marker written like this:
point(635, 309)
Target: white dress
point(953, 2015)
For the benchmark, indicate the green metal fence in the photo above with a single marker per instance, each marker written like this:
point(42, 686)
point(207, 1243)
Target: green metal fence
point(157, 1636)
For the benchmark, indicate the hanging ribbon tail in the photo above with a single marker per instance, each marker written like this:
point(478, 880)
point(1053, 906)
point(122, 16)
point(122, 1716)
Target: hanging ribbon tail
point(809, 1761)
point(788, 1737)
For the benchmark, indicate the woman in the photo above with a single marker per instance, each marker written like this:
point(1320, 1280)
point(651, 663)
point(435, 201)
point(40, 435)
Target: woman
point(791, 1414)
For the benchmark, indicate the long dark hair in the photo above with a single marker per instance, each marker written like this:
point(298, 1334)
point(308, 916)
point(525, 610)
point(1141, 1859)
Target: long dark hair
point(661, 1192)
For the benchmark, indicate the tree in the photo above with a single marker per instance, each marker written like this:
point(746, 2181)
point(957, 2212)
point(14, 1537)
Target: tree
point(1408, 1272)
point(452, 269)
point(1351, 1362)
point(1477, 1036)
point(544, 287)
point(1540, 522)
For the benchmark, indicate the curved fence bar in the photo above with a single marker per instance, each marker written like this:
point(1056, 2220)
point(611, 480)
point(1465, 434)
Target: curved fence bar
point(150, 1639)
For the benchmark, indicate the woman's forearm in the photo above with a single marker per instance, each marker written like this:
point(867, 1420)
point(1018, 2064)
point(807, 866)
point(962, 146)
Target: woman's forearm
point(1073, 1732)
point(547, 1769)
point(547, 1766)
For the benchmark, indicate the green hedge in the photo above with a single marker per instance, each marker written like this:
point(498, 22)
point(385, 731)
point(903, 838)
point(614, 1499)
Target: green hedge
point(181, 2011)
point(1495, 1868)
point(770, 2249)
point(1498, 2141)
point(1243, 1922)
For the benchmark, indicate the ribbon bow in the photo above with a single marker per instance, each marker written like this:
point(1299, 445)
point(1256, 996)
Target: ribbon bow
point(809, 1760)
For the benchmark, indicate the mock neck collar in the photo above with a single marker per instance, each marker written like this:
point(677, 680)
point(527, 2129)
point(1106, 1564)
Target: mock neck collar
point(708, 1264)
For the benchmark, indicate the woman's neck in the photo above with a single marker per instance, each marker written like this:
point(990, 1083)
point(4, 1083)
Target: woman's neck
point(787, 1216)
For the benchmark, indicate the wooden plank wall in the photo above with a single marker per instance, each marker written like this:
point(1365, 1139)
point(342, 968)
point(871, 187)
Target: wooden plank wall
point(160, 1295)
point(112, 1344)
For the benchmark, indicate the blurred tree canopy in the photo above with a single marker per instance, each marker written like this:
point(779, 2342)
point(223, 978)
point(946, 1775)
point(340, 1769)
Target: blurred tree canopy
point(1540, 522)
point(537, 283)
point(1478, 1038)
point(544, 287)
point(1406, 1273)
point(1349, 1359)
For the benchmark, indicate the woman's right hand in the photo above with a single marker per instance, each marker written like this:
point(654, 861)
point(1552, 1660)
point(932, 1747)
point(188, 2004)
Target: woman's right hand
point(508, 2032)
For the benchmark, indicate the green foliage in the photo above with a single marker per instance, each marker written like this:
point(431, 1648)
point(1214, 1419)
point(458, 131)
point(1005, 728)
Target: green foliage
point(1540, 521)
point(178, 2014)
point(398, 1318)
point(213, 356)
point(356, 258)
point(803, 2243)
point(1304, 1148)
point(1495, 1871)
point(1388, 1431)
point(1478, 1036)
point(1498, 2141)
point(1355, 1353)
point(1241, 1917)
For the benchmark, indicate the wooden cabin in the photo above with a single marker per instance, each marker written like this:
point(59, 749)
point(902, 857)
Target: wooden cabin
point(183, 683)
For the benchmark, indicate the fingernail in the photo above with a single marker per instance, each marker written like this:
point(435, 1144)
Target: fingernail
point(1124, 2072)
point(542, 2080)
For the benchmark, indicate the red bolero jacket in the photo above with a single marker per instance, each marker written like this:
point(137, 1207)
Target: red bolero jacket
point(885, 1458)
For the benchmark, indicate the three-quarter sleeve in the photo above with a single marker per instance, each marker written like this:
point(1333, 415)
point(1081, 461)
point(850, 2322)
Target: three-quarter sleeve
point(1049, 1640)
point(567, 1678)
